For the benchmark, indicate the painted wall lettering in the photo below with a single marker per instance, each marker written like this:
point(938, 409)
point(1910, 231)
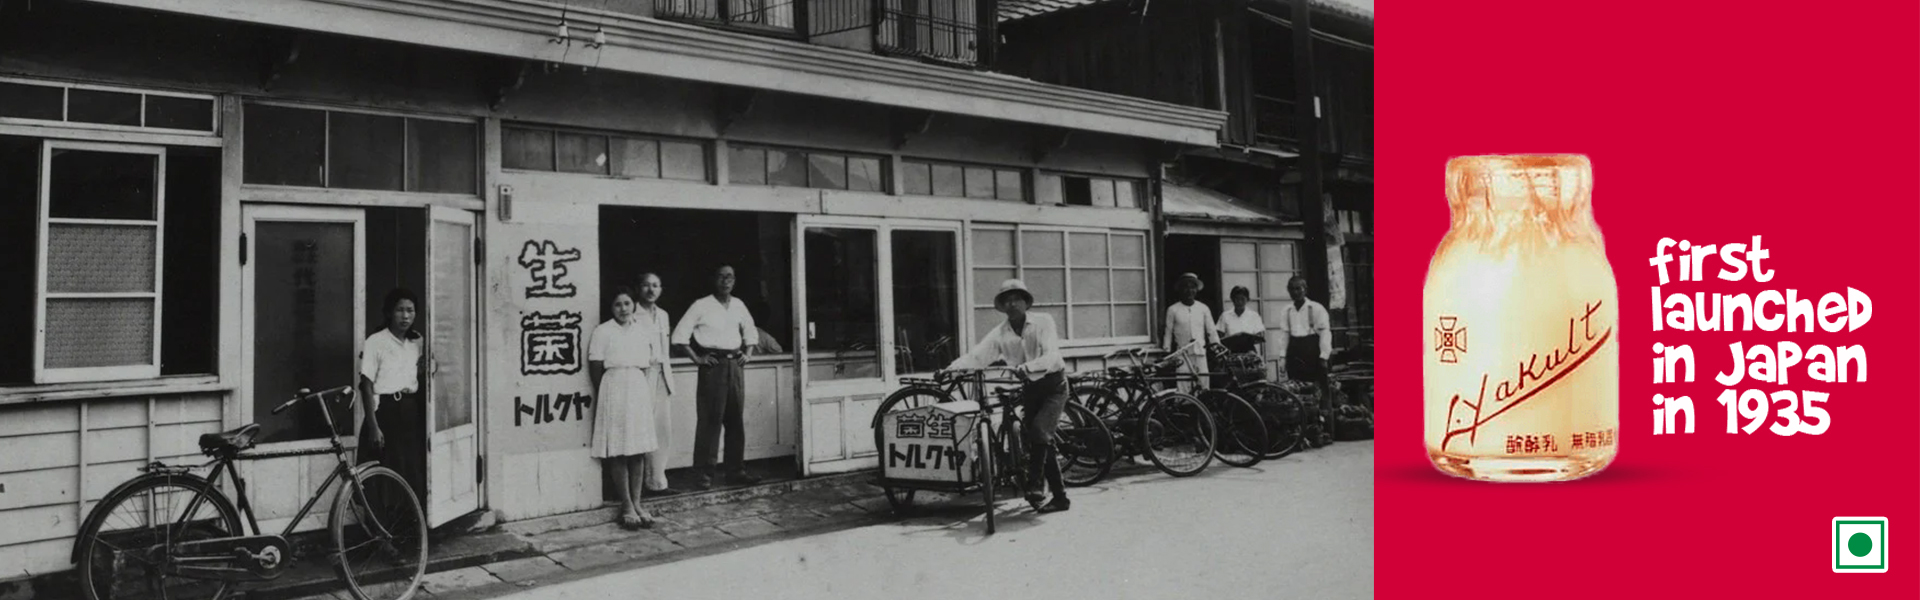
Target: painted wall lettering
point(547, 408)
point(547, 264)
point(550, 343)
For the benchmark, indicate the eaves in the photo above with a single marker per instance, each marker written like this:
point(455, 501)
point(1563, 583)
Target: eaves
point(525, 29)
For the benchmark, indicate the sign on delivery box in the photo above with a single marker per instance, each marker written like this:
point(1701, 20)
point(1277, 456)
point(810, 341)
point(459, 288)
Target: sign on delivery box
point(930, 443)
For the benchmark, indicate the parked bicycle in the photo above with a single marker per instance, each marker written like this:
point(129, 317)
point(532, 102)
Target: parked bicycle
point(1083, 442)
point(169, 533)
point(1243, 432)
point(1172, 429)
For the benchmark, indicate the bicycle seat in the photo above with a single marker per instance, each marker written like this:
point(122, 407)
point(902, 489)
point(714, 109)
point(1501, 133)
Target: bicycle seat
point(231, 441)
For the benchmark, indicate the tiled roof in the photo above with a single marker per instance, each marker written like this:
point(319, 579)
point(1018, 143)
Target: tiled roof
point(1013, 10)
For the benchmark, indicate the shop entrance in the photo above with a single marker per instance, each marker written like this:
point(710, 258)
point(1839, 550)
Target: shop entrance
point(880, 298)
point(314, 281)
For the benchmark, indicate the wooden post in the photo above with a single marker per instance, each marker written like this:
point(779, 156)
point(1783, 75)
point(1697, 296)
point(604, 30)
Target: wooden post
point(1308, 125)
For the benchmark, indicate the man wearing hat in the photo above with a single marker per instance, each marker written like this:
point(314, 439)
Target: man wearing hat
point(1030, 343)
point(1189, 320)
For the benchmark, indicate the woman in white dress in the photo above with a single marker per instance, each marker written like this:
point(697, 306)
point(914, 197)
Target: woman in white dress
point(627, 359)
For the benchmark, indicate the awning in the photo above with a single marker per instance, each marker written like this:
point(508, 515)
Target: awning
point(1195, 203)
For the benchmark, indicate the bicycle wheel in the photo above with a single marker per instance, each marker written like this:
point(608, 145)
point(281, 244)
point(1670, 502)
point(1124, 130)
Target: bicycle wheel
point(379, 536)
point(1281, 411)
point(1178, 434)
point(123, 548)
point(1102, 401)
point(1085, 446)
point(983, 469)
point(902, 399)
point(1013, 453)
point(1242, 440)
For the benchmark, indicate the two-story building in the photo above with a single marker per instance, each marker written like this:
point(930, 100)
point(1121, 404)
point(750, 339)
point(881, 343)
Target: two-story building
point(1258, 208)
point(203, 203)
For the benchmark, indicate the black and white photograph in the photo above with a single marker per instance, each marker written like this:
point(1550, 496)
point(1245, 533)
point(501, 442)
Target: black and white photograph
point(556, 299)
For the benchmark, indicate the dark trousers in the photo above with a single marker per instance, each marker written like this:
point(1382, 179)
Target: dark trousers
point(403, 424)
point(721, 402)
point(1304, 364)
point(1042, 401)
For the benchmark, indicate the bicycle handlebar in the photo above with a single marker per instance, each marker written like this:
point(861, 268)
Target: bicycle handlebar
point(304, 394)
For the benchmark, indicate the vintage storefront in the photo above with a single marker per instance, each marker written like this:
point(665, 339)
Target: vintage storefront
point(203, 216)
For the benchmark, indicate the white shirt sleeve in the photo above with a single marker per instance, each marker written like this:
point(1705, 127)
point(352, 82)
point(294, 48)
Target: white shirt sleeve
point(370, 355)
point(749, 333)
point(683, 334)
point(597, 345)
point(1049, 359)
point(982, 354)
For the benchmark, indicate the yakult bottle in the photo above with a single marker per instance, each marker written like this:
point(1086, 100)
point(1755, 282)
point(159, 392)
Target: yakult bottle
point(1522, 359)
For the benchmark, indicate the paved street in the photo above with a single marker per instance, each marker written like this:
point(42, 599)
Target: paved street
point(1301, 527)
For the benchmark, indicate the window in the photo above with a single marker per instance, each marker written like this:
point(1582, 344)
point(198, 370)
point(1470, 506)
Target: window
point(684, 247)
point(923, 178)
point(310, 147)
point(775, 14)
point(1264, 268)
point(116, 261)
point(1093, 282)
point(756, 165)
point(1104, 192)
point(538, 149)
point(925, 300)
point(102, 106)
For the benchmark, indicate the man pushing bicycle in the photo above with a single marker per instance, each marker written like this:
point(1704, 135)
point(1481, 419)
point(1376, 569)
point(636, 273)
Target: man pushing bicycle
point(1030, 343)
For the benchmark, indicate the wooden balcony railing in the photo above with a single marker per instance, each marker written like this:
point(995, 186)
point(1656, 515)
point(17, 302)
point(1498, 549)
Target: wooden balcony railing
point(939, 30)
point(772, 15)
point(921, 30)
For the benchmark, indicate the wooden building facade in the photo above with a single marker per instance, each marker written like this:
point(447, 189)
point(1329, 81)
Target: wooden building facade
point(1238, 214)
point(282, 164)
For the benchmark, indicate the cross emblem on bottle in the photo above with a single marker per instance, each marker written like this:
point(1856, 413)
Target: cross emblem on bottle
point(1450, 340)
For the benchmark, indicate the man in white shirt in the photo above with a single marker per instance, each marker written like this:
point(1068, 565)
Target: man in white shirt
point(719, 334)
point(1030, 343)
point(1306, 338)
point(1189, 320)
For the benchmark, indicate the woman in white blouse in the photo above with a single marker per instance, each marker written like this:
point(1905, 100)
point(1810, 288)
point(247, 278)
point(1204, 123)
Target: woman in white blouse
point(1241, 328)
point(627, 359)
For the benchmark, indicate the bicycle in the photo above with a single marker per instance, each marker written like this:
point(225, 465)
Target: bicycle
point(179, 534)
point(1244, 432)
point(1173, 429)
point(1083, 443)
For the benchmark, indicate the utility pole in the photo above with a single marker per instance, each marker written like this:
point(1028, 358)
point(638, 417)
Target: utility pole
point(1307, 123)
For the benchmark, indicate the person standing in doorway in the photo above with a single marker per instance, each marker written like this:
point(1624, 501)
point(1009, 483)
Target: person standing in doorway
point(626, 359)
point(1189, 320)
point(1242, 331)
point(392, 363)
point(719, 334)
point(1306, 336)
point(1241, 327)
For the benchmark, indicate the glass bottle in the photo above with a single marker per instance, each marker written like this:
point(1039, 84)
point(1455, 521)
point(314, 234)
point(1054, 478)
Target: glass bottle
point(1522, 359)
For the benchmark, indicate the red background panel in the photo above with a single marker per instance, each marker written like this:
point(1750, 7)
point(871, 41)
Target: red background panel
point(1710, 122)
